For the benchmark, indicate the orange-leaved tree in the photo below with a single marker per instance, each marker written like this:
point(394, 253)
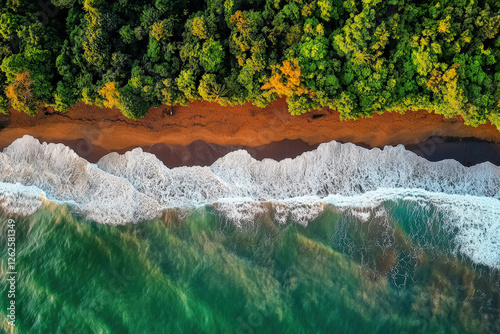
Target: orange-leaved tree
point(238, 19)
point(285, 80)
point(20, 93)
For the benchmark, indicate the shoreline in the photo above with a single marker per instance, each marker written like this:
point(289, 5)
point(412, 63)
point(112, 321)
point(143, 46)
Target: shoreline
point(468, 151)
point(202, 132)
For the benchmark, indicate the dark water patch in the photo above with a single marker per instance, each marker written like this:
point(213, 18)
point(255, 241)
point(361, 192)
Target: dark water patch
point(467, 151)
point(201, 153)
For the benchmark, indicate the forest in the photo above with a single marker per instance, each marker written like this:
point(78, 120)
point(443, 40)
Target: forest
point(357, 57)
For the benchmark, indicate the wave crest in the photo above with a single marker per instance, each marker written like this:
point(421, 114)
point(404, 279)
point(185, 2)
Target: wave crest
point(137, 186)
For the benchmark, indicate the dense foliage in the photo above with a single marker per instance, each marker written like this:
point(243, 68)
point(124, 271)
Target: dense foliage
point(358, 57)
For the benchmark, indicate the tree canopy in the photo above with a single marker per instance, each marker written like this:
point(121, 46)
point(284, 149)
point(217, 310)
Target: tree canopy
point(358, 57)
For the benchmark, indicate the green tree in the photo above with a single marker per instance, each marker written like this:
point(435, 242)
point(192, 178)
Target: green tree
point(212, 56)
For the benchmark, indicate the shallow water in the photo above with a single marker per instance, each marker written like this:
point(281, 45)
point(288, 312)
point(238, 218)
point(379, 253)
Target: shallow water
point(200, 273)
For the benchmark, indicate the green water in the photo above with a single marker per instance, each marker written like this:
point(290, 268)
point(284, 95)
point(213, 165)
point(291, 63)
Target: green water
point(201, 274)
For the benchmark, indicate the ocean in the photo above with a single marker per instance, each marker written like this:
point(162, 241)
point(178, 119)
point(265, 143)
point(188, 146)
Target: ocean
point(340, 239)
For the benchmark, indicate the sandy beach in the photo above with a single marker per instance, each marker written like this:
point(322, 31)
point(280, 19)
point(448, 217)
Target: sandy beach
point(213, 130)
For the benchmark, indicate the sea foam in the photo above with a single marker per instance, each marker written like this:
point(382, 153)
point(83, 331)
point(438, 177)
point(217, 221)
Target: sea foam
point(64, 177)
point(137, 186)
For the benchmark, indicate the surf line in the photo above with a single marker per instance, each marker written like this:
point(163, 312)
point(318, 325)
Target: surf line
point(11, 273)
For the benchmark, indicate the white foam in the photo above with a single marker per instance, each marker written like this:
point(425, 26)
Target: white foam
point(331, 169)
point(136, 186)
point(475, 221)
point(65, 177)
point(19, 199)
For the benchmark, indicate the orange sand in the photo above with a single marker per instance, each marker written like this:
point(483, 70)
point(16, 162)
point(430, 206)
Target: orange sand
point(241, 125)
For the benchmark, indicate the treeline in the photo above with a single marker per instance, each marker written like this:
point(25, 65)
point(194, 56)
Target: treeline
point(358, 57)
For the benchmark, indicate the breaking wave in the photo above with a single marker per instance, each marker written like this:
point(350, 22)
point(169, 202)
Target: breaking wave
point(137, 186)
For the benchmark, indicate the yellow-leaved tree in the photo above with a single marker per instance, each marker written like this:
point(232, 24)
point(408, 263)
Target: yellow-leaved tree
point(285, 80)
point(200, 28)
point(445, 86)
point(160, 31)
point(110, 95)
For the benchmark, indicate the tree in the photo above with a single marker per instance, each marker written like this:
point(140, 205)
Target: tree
point(131, 103)
point(286, 80)
point(20, 94)
point(110, 95)
point(65, 96)
point(212, 91)
point(212, 56)
point(200, 28)
point(186, 82)
point(161, 30)
point(127, 34)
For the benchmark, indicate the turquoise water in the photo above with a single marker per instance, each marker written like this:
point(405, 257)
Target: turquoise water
point(197, 272)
